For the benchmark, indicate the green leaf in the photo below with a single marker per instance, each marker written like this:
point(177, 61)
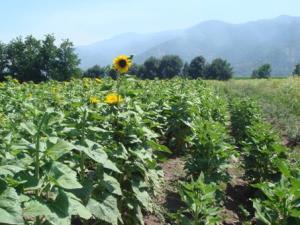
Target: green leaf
point(106, 209)
point(157, 147)
point(112, 184)
point(10, 209)
point(77, 208)
point(63, 176)
point(99, 156)
point(59, 149)
point(35, 208)
point(283, 167)
point(9, 170)
point(141, 194)
point(29, 127)
point(259, 214)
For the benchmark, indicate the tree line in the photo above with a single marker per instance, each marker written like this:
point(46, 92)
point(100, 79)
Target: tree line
point(36, 60)
point(170, 66)
point(264, 71)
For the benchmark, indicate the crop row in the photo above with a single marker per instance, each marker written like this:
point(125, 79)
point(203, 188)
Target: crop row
point(88, 151)
point(268, 165)
point(69, 154)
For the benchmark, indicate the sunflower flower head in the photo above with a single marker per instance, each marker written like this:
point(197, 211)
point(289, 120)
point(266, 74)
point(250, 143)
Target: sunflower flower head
point(113, 99)
point(94, 100)
point(122, 63)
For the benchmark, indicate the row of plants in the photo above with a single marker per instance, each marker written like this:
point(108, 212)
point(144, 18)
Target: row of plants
point(268, 165)
point(76, 152)
point(208, 151)
point(88, 151)
point(66, 156)
point(277, 98)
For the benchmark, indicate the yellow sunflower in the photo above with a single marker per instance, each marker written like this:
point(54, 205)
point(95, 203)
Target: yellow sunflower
point(94, 100)
point(113, 99)
point(122, 63)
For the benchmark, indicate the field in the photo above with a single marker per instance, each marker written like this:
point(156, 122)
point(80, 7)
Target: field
point(128, 151)
point(278, 98)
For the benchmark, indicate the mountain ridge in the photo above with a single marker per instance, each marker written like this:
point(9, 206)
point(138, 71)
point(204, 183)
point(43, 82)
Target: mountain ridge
point(246, 45)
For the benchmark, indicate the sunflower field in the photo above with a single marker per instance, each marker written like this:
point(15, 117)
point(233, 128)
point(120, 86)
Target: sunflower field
point(91, 151)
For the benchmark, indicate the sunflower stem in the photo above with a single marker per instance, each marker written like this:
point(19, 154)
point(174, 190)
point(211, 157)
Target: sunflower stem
point(82, 156)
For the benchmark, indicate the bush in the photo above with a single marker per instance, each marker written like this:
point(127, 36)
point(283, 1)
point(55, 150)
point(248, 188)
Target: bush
point(262, 72)
point(170, 66)
point(219, 69)
point(197, 67)
point(297, 70)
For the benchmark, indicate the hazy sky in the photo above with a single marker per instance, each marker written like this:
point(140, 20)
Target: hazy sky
point(87, 21)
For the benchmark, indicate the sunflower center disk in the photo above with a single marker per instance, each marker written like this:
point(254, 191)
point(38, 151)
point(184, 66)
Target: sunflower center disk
point(122, 63)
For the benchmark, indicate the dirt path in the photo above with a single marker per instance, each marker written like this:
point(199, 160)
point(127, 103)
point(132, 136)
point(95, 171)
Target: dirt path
point(237, 192)
point(168, 200)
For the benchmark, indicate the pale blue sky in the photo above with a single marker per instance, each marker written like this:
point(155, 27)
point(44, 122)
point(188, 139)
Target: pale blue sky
point(87, 21)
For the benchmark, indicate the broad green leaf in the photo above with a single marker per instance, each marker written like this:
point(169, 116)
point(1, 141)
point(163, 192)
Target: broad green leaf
point(29, 127)
point(10, 170)
point(99, 156)
point(60, 210)
point(10, 208)
point(35, 208)
point(157, 147)
point(63, 176)
point(59, 149)
point(106, 209)
point(141, 194)
point(76, 207)
point(112, 184)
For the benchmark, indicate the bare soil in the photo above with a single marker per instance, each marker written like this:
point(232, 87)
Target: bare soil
point(168, 200)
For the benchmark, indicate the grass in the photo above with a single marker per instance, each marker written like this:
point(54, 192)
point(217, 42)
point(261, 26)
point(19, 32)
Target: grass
point(278, 98)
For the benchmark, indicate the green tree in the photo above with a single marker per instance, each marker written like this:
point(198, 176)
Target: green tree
point(37, 60)
point(135, 69)
point(24, 59)
point(263, 71)
point(151, 68)
point(48, 57)
point(67, 62)
point(3, 59)
point(197, 67)
point(185, 70)
point(219, 69)
point(95, 71)
point(170, 66)
point(297, 70)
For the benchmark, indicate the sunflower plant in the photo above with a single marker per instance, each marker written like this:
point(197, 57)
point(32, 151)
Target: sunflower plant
point(122, 64)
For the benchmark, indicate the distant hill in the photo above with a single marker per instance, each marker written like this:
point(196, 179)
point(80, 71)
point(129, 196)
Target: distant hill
point(245, 46)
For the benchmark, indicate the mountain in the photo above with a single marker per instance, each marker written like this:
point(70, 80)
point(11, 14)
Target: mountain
point(246, 46)
point(131, 43)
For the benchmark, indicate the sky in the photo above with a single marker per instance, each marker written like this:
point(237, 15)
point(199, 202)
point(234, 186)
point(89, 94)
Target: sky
point(88, 21)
